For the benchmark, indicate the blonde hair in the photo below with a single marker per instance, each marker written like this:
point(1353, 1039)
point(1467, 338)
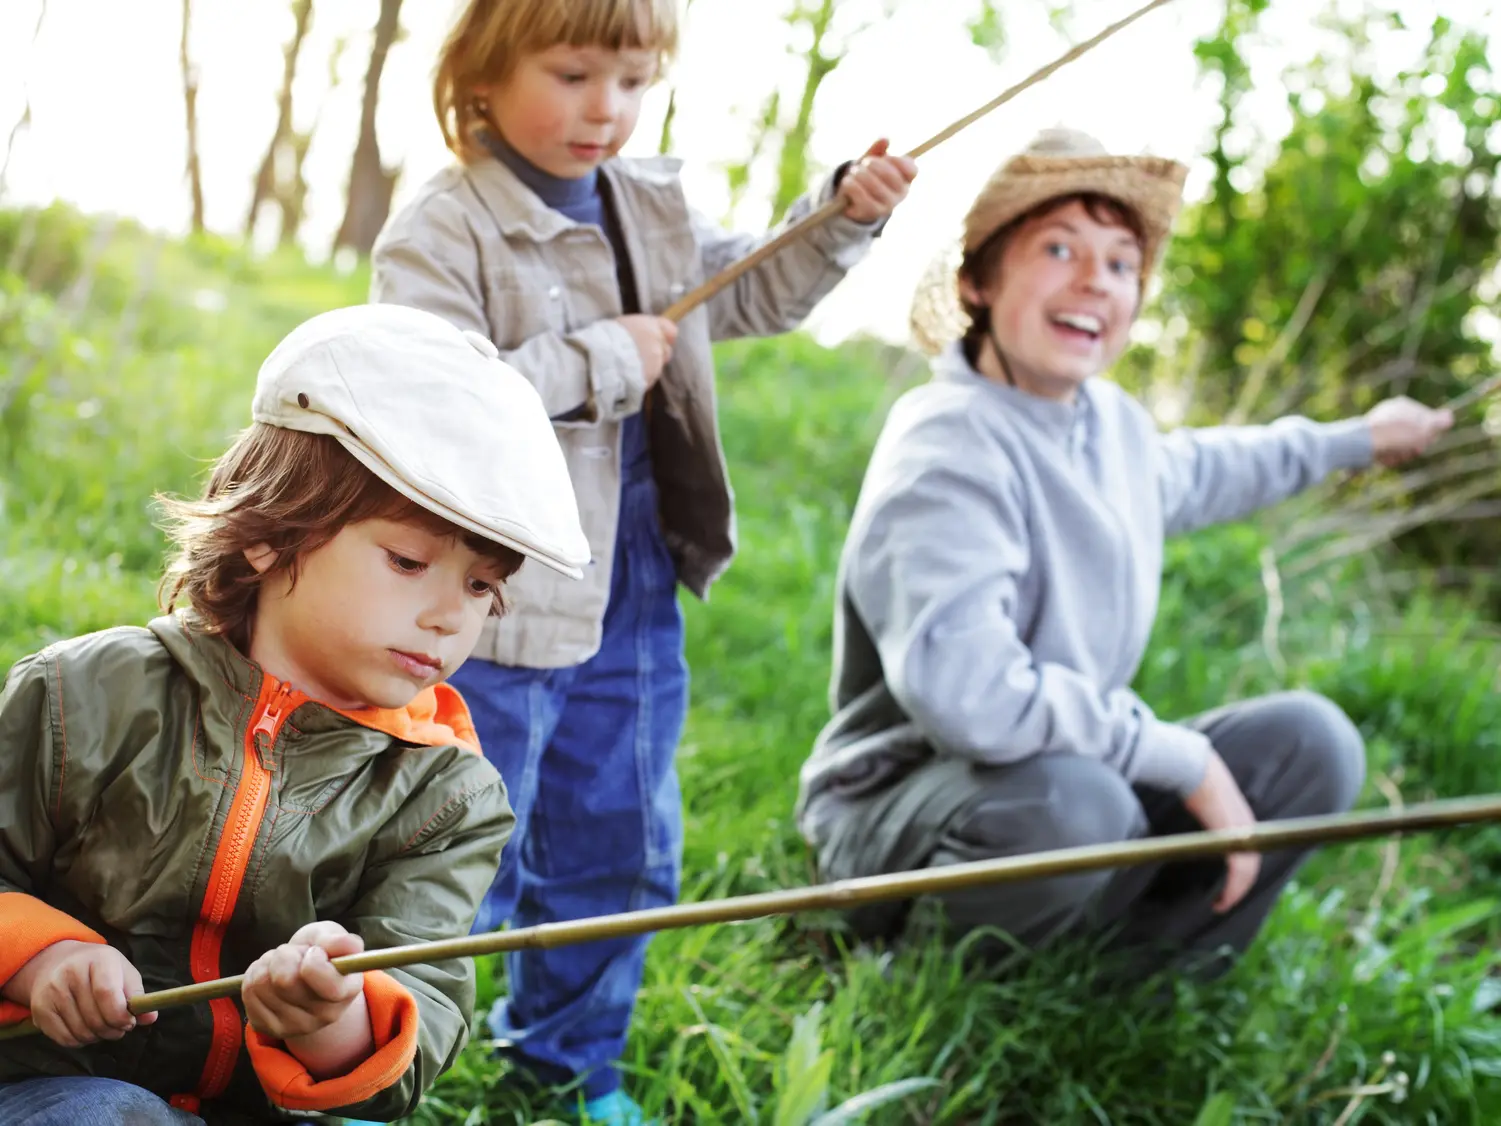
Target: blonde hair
point(491, 36)
point(293, 492)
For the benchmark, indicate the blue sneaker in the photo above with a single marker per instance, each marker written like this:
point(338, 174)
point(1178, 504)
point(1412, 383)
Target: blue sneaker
point(616, 1109)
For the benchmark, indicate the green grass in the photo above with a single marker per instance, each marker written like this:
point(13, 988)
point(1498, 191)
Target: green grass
point(1370, 997)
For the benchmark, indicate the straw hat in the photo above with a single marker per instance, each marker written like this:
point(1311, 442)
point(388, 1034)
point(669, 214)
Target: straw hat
point(1058, 162)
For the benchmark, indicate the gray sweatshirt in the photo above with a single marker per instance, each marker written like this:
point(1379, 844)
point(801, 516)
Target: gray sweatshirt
point(1000, 577)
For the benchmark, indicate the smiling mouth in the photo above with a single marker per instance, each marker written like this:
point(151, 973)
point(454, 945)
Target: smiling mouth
point(1079, 324)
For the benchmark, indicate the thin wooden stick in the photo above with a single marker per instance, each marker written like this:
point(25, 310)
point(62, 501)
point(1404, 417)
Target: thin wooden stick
point(1473, 395)
point(1264, 836)
point(696, 297)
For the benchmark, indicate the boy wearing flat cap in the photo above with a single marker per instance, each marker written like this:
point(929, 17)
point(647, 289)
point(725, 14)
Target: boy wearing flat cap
point(1001, 576)
point(274, 773)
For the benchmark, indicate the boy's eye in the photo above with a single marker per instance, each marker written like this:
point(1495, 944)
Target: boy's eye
point(633, 83)
point(1057, 250)
point(481, 589)
point(572, 77)
point(1125, 268)
point(406, 565)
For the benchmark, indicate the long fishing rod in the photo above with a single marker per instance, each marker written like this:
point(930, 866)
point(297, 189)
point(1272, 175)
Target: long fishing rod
point(696, 297)
point(1473, 395)
point(1264, 836)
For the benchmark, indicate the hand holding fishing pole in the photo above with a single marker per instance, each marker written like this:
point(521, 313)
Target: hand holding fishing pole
point(1217, 804)
point(79, 992)
point(295, 994)
point(873, 186)
point(654, 338)
point(1402, 428)
point(82, 992)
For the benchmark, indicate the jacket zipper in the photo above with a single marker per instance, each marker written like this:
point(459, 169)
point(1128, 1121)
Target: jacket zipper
point(246, 811)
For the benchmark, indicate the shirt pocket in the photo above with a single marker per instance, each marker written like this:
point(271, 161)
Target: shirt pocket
point(676, 267)
point(525, 296)
point(561, 285)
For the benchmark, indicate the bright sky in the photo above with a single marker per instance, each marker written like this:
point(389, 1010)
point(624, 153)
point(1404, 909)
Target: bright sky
point(107, 129)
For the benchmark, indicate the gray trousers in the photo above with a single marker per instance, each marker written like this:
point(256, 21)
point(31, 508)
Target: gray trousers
point(1294, 754)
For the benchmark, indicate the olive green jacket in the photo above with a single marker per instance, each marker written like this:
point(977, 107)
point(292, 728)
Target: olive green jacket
point(159, 792)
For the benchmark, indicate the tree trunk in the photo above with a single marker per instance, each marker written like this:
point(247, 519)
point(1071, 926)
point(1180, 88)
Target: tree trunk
point(265, 177)
point(190, 106)
point(792, 165)
point(738, 173)
point(664, 142)
point(371, 184)
point(291, 195)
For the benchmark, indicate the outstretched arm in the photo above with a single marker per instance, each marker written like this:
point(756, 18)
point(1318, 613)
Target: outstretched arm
point(1211, 475)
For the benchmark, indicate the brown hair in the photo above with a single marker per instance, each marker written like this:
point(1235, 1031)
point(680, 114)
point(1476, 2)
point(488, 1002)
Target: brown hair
point(293, 492)
point(983, 263)
point(491, 36)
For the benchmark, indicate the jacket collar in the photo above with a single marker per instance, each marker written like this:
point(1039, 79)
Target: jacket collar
point(437, 717)
point(516, 209)
point(1062, 422)
point(519, 211)
point(557, 192)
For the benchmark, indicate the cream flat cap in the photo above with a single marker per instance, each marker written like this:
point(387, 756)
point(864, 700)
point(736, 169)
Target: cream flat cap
point(433, 412)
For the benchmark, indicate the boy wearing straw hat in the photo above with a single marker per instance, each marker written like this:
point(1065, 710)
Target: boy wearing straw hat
point(564, 253)
point(276, 774)
point(1001, 575)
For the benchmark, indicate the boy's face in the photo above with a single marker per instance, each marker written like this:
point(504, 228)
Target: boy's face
point(569, 109)
point(380, 612)
point(1064, 296)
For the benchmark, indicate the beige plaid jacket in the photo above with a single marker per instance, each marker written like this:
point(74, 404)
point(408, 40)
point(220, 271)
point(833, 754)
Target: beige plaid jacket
point(479, 248)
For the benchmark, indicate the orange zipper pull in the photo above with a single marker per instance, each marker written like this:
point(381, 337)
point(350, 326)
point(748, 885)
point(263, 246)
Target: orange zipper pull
point(272, 715)
point(268, 724)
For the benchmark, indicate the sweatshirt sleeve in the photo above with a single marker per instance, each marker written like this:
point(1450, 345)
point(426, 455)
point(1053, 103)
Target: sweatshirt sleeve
point(32, 754)
point(934, 579)
point(426, 889)
point(1216, 474)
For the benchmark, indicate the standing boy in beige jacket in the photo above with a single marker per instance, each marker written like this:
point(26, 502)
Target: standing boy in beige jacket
point(560, 251)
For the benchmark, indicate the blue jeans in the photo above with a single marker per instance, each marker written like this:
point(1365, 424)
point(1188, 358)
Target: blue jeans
point(587, 756)
point(80, 1100)
point(85, 1100)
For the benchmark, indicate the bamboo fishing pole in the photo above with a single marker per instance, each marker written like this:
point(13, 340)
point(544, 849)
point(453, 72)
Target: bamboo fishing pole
point(696, 297)
point(1262, 837)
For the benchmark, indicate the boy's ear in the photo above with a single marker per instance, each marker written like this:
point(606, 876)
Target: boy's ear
point(971, 292)
point(261, 557)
